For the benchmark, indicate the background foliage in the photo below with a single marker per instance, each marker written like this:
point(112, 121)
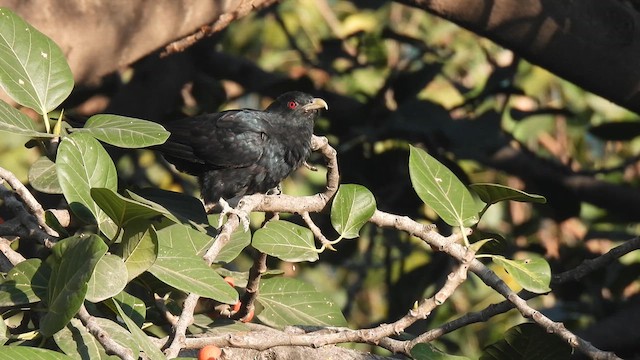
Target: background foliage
point(393, 76)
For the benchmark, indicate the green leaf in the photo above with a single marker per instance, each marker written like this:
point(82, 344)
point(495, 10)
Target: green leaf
point(82, 164)
point(33, 69)
point(15, 122)
point(3, 332)
point(77, 342)
point(527, 342)
point(119, 334)
point(478, 244)
point(109, 278)
point(175, 206)
point(25, 283)
point(133, 307)
point(184, 236)
point(179, 266)
point(72, 262)
point(139, 248)
point(240, 239)
point(352, 207)
point(424, 351)
point(140, 337)
point(43, 176)
point(30, 353)
point(493, 193)
point(286, 241)
point(120, 209)
point(289, 301)
point(125, 132)
point(533, 274)
point(438, 187)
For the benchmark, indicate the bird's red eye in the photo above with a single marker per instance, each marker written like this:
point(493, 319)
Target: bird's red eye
point(292, 104)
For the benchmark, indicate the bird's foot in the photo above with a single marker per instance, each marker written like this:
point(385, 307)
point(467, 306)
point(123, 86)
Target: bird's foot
point(309, 166)
point(275, 191)
point(227, 209)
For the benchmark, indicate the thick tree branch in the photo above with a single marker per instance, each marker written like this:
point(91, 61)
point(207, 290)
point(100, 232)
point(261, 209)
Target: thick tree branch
point(593, 43)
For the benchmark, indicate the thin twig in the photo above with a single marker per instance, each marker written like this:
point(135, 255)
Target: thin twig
point(250, 295)
point(264, 339)
point(28, 199)
point(317, 232)
point(110, 345)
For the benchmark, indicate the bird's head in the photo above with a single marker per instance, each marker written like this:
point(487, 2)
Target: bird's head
point(296, 104)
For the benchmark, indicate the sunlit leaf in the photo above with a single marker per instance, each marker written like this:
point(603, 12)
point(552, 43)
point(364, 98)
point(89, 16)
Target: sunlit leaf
point(527, 342)
point(15, 122)
point(125, 132)
point(149, 348)
point(33, 69)
point(82, 164)
point(109, 278)
point(72, 263)
point(77, 342)
point(439, 188)
point(493, 193)
point(178, 265)
point(175, 206)
point(353, 205)
point(25, 283)
point(533, 274)
point(138, 248)
point(43, 176)
point(286, 241)
point(30, 353)
point(133, 307)
point(121, 209)
point(289, 301)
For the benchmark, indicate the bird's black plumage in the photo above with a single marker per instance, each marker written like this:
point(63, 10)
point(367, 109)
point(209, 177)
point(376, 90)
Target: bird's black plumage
point(241, 152)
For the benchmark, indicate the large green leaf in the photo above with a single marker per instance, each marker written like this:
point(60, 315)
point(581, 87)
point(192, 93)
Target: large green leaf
point(72, 262)
point(33, 69)
point(140, 337)
point(493, 193)
point(125, 132)
point(82, 164)
point(133, 307)
point(527, 342)
point(185, 237)
point(25, 283)
point(119, 334)
point(289, 301)
point(240, 239)
point(352, 207)
point(175, 206)
point(109, 278)
point(77, 342)
point(438, 187)
point(179, 266)
point(43, 176)
point(121, 209)
point(30, 353)
point(533, 274)
point(139, 248)
point(286, 241)
point(15, 122)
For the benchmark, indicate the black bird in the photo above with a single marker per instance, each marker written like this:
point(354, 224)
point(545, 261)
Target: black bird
point(242, 152)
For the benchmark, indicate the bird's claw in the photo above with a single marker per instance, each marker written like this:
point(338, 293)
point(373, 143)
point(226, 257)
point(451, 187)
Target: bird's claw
point(309, 166)
point(227, 209)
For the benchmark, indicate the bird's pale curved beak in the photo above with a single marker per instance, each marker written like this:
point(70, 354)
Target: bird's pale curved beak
point(316, 103)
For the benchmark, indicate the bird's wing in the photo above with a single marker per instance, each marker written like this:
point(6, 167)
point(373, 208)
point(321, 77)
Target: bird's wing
point(229, 139)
